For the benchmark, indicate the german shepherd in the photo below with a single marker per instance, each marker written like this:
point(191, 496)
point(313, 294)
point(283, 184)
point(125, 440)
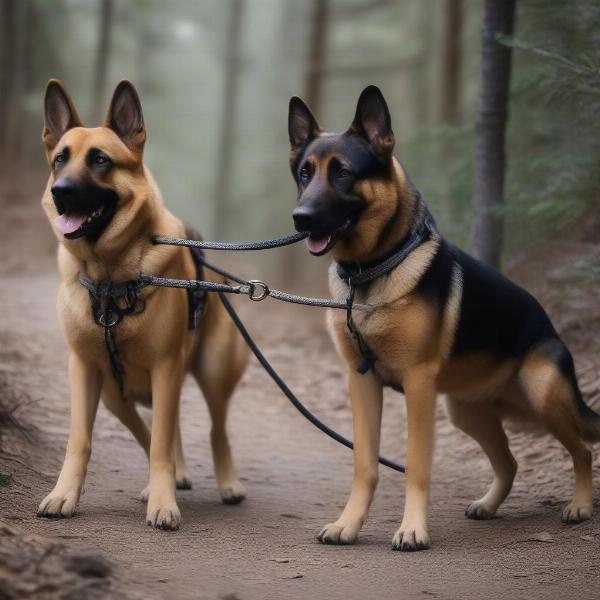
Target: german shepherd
point(441, 322)
point(104, 206)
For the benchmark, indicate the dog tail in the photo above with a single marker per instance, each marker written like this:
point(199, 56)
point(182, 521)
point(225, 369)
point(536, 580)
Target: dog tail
point(590, 419)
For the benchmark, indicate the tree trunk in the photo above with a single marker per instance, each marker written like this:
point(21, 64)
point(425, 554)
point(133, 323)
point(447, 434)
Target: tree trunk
point(317, 55)
point(451, 62)
point(492, 115)
point(222, 191)
point(421, 72)
point(102, 59)
point(8, 41)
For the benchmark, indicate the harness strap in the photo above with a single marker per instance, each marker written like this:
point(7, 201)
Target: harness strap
point(110, 302)
point(357, 275)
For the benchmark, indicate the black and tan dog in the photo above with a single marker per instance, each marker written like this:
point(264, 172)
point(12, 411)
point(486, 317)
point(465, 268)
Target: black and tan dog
point(441, 322)
point(104, 207)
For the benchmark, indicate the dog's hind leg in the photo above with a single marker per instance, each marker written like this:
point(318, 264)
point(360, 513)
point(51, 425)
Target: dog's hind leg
point(127, 413)
point(553, 396)
point(485, 427)
point(367, 397)
point(220, 363)
point(183, 479)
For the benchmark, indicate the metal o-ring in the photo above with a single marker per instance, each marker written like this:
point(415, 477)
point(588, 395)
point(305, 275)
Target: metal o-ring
point(264, 290)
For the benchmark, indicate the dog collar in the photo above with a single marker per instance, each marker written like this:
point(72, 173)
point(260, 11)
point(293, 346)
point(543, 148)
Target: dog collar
point(357, 274)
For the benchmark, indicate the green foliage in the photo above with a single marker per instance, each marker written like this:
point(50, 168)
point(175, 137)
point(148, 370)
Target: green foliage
point(553, 153)
point(554, 156)
point(587, 267)
point(439, 160)
point(175, 55)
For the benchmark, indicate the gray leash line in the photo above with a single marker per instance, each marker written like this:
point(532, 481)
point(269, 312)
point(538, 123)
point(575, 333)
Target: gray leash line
point(261, 245)
point(255, 289)
point(281, 384)
point(249, 287)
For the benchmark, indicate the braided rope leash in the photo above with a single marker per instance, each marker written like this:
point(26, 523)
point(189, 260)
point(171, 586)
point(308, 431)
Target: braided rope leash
point(256, 290)
point(260, 245)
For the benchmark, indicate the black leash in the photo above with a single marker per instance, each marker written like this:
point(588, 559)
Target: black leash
point(286, 390)
point(112, 301)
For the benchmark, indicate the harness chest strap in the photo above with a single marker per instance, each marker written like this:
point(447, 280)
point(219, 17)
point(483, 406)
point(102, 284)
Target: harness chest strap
point(358, 275)
point(111, 301)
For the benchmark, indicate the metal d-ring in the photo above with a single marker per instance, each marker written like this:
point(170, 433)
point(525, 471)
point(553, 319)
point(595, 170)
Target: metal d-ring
point(263, 287)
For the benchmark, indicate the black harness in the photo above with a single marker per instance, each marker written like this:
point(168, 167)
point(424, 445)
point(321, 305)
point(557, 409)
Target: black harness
point(357, 275)
point(111, 301)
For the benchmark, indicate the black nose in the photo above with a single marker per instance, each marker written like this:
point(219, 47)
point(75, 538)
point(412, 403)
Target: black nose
point(64, 192)
point(63, 189)
point(306, 218)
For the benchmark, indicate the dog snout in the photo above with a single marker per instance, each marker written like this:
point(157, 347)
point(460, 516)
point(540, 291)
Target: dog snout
point(64, 189)
point(305, 218)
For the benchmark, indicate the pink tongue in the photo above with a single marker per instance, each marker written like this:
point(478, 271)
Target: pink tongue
point(69, 222)
point(317, 245)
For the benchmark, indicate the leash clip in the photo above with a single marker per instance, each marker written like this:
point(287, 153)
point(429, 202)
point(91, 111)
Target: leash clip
point(260, 294)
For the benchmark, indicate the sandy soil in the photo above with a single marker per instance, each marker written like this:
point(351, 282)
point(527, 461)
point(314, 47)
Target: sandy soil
point(297, 479)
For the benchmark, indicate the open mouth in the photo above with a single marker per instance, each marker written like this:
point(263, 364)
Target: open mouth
point(74, 225)
point(319, 244)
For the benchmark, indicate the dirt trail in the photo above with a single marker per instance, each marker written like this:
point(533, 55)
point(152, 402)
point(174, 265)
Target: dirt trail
point(297, 480)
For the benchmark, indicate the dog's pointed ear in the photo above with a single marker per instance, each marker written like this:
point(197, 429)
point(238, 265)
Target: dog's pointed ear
point(373, 121)
point(125, 116)
point(302, 125)
point(60, 114)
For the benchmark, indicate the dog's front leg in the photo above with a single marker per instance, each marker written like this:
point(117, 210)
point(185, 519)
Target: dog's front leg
point(367, 397)
point(162, 512)
point(85, 383)
point(421, 393)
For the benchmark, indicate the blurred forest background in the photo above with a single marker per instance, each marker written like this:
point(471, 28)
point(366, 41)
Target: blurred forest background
point(215, 77)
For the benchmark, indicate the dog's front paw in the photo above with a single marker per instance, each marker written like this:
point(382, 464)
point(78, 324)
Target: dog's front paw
point(163, 516)
point(479, 511)
point(338, 534)
point(576, 512)
point(410, 539)
point(59, 504)
point(232, 493)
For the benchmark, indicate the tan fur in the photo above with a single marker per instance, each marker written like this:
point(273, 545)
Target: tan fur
point(156, 347)
point(412, 344)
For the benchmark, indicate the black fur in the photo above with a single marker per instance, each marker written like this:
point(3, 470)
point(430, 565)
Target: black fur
point(496, 315)
point(434, 285)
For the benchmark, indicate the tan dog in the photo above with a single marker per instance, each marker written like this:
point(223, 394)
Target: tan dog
point(442, 322)
point(104, 207)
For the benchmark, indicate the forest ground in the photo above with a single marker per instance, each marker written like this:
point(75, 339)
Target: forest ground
point(296, 478)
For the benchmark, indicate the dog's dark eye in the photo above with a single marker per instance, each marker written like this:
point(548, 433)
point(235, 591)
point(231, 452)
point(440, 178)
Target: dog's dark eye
point(100, 159)
point(304, 173)
point(60, 158)
point(343, 173)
